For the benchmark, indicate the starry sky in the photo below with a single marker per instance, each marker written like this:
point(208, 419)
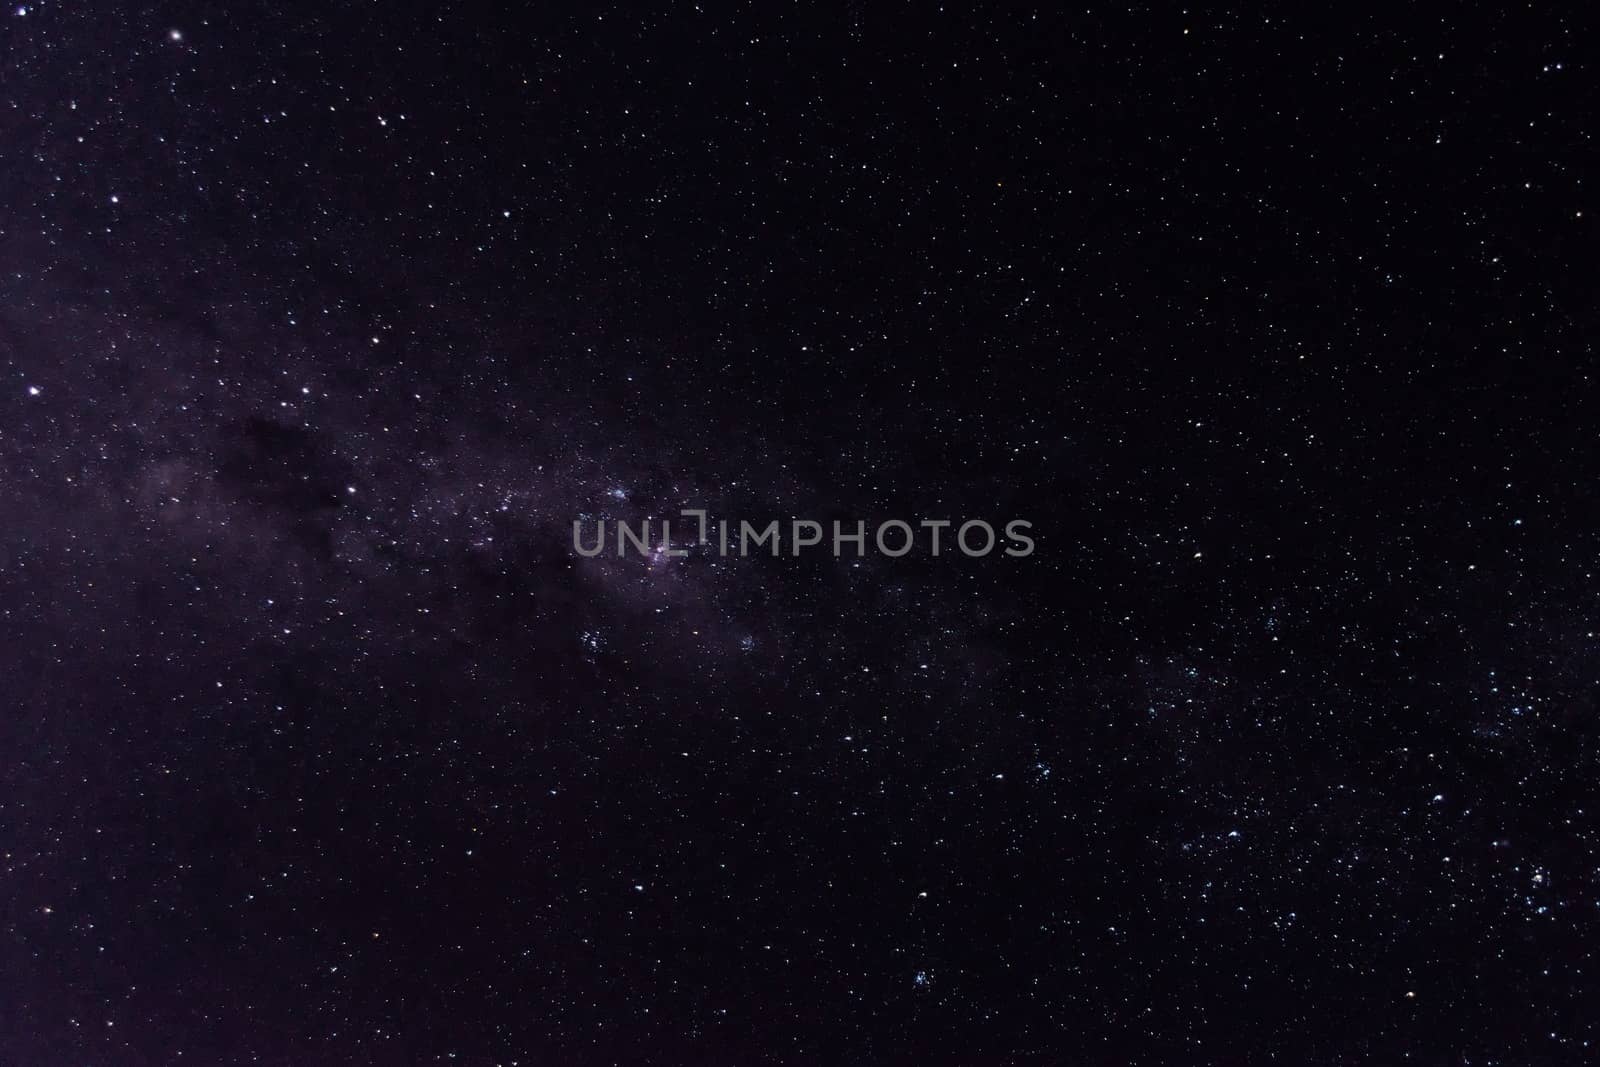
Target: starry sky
point(321, 324)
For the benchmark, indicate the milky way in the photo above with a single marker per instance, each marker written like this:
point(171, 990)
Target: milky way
point(320, 743)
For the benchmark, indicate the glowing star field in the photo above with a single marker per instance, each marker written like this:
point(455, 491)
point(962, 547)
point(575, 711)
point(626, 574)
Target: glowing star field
point(1240, 365)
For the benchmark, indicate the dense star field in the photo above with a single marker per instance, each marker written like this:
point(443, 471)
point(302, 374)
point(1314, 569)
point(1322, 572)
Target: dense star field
point(320, 325)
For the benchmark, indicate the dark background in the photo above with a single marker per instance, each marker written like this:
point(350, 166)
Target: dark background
point(320, 325)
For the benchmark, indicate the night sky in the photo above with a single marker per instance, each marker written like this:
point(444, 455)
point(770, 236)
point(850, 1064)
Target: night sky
point(320, 325)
